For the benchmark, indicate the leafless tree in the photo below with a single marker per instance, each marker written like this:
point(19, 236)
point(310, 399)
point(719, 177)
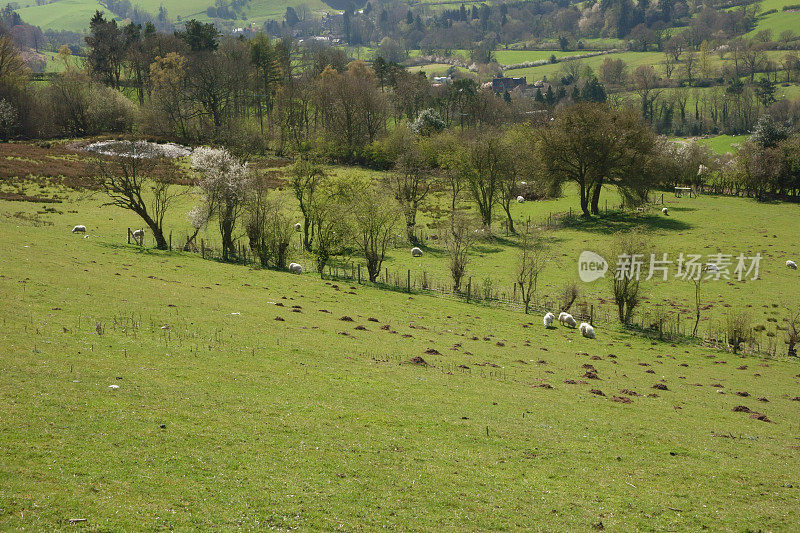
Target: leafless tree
point(142, 184)
point(532, 260)
point(459, 238)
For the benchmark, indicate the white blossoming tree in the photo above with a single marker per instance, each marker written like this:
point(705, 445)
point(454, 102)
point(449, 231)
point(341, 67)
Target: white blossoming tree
point(224, 184)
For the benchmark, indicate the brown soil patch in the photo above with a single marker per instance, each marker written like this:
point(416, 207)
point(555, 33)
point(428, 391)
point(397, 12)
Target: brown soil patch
point(417, 360)
point(432, 351)
point(597, 392)
point(591, 375)
point(621, 399)
point(630, 392)
point(759, 416)
point(743, 394)
point(660, 386)
point(346, 318)
point(741, 409)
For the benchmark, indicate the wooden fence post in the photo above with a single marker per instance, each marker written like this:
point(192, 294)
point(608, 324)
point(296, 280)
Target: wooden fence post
point(591, 315)
point(129, 235)
point(203, 248)
point(469, 288)
point(170, 240)
point(408, 280)
point(359, 273)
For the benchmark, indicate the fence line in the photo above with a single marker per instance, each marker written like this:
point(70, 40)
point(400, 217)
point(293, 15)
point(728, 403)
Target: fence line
point(653, 323)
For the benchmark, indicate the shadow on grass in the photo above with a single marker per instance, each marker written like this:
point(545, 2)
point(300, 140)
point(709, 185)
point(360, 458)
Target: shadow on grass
point(615, 221)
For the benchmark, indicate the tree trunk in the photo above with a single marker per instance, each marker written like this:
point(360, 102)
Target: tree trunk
point(158, 234)
point(584, 201)
point(596, 198)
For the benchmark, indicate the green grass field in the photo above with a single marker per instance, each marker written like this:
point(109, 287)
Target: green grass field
point(68, 15)
point(722, 144)
point(777, 22)
point(244, 402)
point(511, 57)
point(74, 15)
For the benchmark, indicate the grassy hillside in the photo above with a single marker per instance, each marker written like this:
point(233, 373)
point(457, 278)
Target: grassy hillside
point(692, 227)
point(69, 15)
point(74, 15)
point(780, 21)
point(244, 401)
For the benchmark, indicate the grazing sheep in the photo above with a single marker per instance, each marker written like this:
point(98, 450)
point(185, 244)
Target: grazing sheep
point(298, 227)
point(586, 330)
point(791, 264)
point(416, 252)
point(295, 268)
point(548, 319)
point(665, 210)
point(710, 267)
point(569, 321)
point(561, 316)
point(80, 228)
point(521, 199)
point(138, 233)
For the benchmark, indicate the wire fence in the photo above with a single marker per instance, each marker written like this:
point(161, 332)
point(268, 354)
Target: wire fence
point(656, 323)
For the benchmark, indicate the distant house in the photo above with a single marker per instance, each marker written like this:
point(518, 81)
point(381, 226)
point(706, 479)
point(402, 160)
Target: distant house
point(502, 84)
point(441, 80)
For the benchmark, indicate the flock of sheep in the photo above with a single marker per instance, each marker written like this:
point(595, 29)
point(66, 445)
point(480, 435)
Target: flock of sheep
point(566, 319)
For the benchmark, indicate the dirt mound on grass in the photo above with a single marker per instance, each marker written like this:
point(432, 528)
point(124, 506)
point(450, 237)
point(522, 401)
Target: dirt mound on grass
point(346, 318)
point(621, 399)
point(760, 416)
point(417, 360)
point(597, 392)
point(432, 351)
point(741, 409)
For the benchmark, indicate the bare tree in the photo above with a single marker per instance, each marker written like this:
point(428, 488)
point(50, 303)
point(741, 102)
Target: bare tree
point(532, 260)
point(458, 241)
point(792, 331)
point(140, 183)
point(569, 293)
point(269, 227)
point(739, 329)
point(630, 250)
point(697, 285)
point(306, 177)
point(374, 218)
point(412, 175)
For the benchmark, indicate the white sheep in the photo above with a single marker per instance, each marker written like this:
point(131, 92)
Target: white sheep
point(80, 228)
point(791, 264)
point(665, 210)
point(295, 268)
point(710, 267)
point(521, 199)
point(548, 319)
point(561, 316)
point(586, 330)
point(298, 227)
point(567, 320)
point(416, 252)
